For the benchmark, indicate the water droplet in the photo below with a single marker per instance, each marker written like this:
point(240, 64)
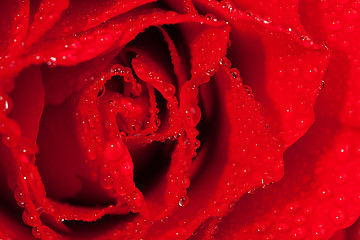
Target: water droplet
point(308, 210)
point(186, 182)
point(91, 122)
point(343, 151)
point(261, 226)
point(5, 104)
point(351, 14)
point(169, 90)
point(251, 191)
point(282, 227)
point(338, 216)
point(300, 219)
point(225, 62)
point(101, 92)
point(335, 25)
point(174, 137)
point(106, 182)
point(36, 232)
point(197, 143)
point(20, 197)
point(235, 73)
point(128, 167)
point(137, 200)
point(340, 198)
point(193, 115)
point(248, 89)
point(318, 230)
point(245, 170)
point(281, 73)
point(183, 201)
point(298, 233)
point(114, 150)
point(91, 154)
point(29, 219)
point(311, 73)
point(341, 178)
point(47, 233)
point(210, 16)
point(324, 192)
point(292, 207)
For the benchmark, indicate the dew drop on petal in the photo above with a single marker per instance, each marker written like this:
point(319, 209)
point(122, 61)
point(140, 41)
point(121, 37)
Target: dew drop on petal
point(335, 25)
point(341, 178)
point(29, 219)
point(251, 191)
point(20, 197)
point(298, 233)
point(337, 216)
point(318, 231)
point(186, 182)
point(106, 182)
point(300, 219)
point(193, 115)
point(324, 192)
point(282, 227)
point(91, 154)
point(183, 201)
point(5, 104)
point(36, 232)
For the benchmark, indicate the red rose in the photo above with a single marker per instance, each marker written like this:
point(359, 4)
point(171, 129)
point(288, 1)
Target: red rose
point(105, 106)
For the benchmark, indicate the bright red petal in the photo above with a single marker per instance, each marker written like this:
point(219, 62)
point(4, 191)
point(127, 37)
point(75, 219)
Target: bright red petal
point(318, 194)
point(282, 13)
point(336, 23)
point(83, 15)
point(283, 69)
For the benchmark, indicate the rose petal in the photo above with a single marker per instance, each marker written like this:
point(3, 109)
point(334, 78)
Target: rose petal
point(28, 102)
point(182, 6)
point(318, 194)
point(61, 82)
point(211, 193)
point(282, 13)
point(289, 82)
point(177, 61)
point(16, 16)
point(207, 47)
point(283, 71)
point(61, 162)
point(48, 14)
point(11, 226)
point(179, 157)
point(113, 34)
point(30, 182)
point(336, 23)
point(153, 73)
point(81, 16)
